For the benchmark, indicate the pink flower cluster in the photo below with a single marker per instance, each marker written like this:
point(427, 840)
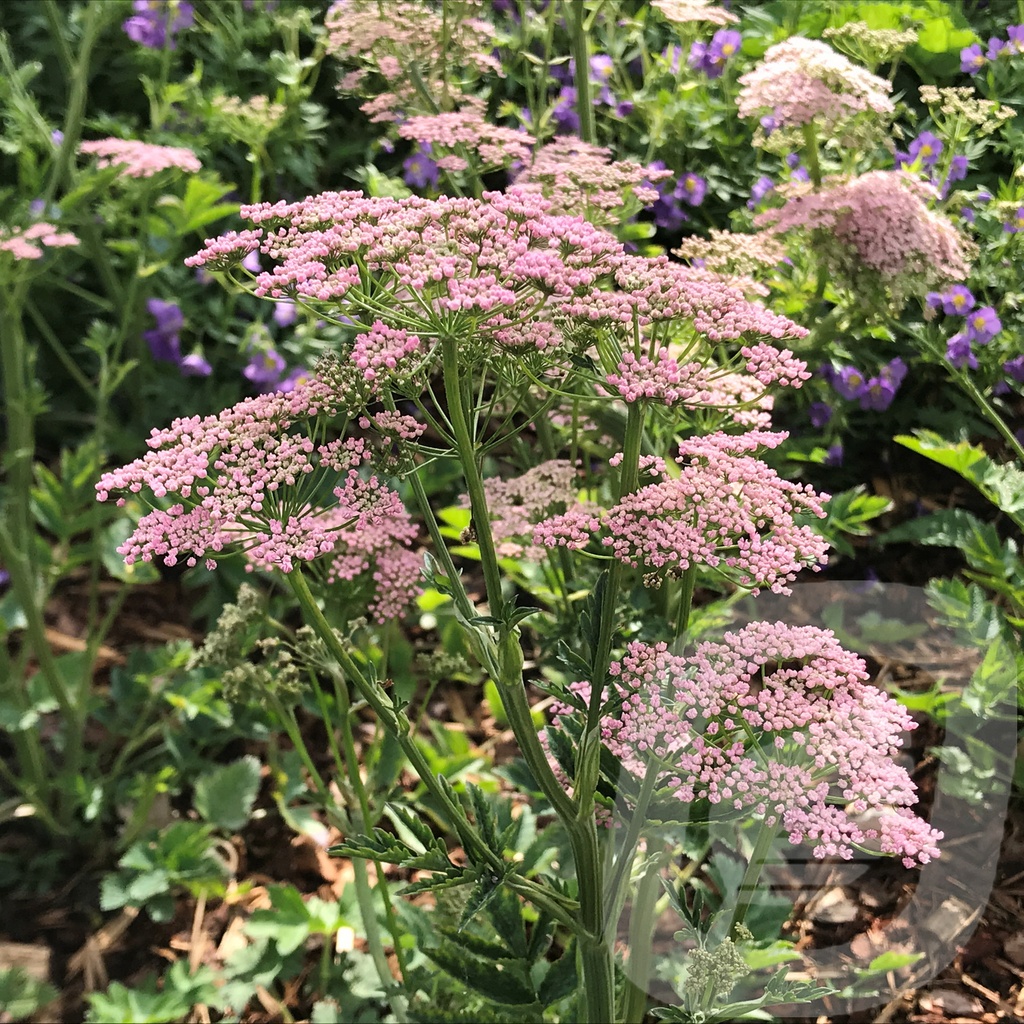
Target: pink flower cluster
point(728, 510)
point(777, 722)
point(26, 243)
point(139, 159)
point(249, 478)
point(880, 223)
point(657, 290)
point(467, 132)
point(575, 175)
point(683, 11)
point(516, 504)
point(392, 38)
point(803, 80)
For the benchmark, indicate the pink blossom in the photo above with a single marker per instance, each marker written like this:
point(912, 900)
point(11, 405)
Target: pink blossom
point(139, 159)
point(777, 722)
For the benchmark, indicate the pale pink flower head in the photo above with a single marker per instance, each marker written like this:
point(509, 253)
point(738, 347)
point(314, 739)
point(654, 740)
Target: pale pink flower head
point(727, 511)
point(140, 159)
point(254, 477)
point(578, 177)
point(803, 81)
point(876, 234)
point(682, 12)
point(465, 133)
point(773, 722)
point(32, 242)
point(412, 47)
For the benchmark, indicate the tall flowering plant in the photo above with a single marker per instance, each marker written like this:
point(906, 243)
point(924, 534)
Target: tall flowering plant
point(475, 323)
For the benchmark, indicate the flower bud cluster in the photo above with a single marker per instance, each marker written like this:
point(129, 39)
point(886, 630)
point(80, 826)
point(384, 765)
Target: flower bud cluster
point(139, 159)
point(467, 131)
point(25, 243)
point(728, 511)
point(250, 478)
point(775, 721)
point(876, 229)
point(801, 81)
point(680, 12)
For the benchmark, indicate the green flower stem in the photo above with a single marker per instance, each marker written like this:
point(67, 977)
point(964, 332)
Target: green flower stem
point(615, 896)
point(76, 72)
point(577, 815)
point(641, 934)
point(745, 897)
point(811, 152)
point(964, 380)
point(574, 15)
point(366, 822)
point(686, 600)
point(396, 723)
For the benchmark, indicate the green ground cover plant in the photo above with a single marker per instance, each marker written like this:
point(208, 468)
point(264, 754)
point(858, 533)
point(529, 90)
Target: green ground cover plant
point(531, 351)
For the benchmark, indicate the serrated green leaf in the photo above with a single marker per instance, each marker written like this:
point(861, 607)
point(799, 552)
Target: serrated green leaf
point(502, 981)
point(224, 797)
point(561, 979)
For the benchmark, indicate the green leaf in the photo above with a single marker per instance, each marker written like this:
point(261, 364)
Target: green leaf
point(561, 979)
point(893, 961)
point(224, 797)
point(503, 981)
point(21, 995)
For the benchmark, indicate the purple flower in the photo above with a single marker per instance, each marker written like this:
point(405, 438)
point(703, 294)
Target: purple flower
point(624, 109)
point(972, 60)
point(601, 68)
point(264, 369)
point(194, 366)
point(1015, 34)
point(901, 159)
point(300, 375)
point(983, 196)
point(819, 414)
point(958, 301)
point(792, 160)
point(567, 120)
point(834, 456)
point(710, 58)
point(252, 262)
point(203, 276)
point(672, 55)
point(983, 325)
point(967, 214)
point(878, 394)
point(164, 343)
point(5, 577)
point(57, 137)
point(800, 174)
point(926, 148)
point(760, 189)
point(958, 352)
point(934, 300)
point(1014, 368)
point(419, 170)
point(894, 371)
point(691, 189)
point(996, 46)
point(285, 313)
point(768, 124)
point(957, 171)
point(155, 22)
point(849, 382)
point(1017, 224)
point(724, 44)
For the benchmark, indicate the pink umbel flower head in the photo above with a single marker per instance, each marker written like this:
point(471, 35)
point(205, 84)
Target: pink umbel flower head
point(140, 159)
point(876, 233)
point(800, 81)
point(681, 12)
point(517, 503)
point(468, 133)
point(412, 47)
point(727, 510)
point(31, 243)
point(253, 478)
point(774, 722)
point(576, 176)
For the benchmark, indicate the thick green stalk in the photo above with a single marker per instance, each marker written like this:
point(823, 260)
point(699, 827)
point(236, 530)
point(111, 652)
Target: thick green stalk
point(641, 934)
point(758, 858)
point(575, 11)
point(577, 815)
